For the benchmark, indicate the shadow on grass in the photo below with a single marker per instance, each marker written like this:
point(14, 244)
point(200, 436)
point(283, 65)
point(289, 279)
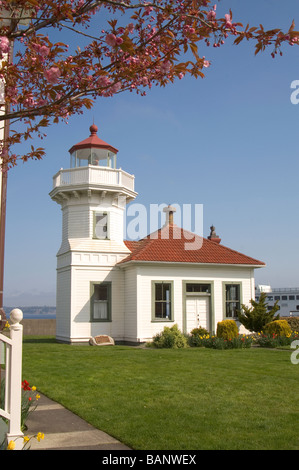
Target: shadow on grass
point(39, 339)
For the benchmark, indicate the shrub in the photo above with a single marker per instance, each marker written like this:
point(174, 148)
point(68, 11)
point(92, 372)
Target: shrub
point(170, 338)
point(199, 332)
point(255, 318)
point(293, 322)
point(227, 329)
point(279, 328)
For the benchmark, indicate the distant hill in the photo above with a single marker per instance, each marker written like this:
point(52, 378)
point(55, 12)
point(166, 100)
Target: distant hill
point(45, 310)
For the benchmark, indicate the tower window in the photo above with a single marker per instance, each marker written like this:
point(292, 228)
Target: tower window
point(100, 225)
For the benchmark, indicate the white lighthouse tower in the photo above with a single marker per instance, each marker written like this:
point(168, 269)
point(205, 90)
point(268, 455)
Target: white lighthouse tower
point(93, 194)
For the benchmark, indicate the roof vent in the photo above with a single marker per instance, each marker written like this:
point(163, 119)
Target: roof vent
point(213, 237)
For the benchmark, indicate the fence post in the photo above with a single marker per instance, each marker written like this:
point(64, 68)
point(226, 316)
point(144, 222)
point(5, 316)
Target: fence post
point(15, 390)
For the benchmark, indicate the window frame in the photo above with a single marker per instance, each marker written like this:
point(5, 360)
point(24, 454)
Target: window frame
point(225, 301)
point(109, 301)
point(158, 319)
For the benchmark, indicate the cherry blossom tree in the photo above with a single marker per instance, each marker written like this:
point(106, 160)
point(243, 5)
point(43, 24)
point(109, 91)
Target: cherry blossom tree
point(120, 45)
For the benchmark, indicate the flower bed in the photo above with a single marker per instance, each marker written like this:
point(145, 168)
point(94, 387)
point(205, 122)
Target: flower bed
point(266, 340)
point(214, 342)
point(30, 397)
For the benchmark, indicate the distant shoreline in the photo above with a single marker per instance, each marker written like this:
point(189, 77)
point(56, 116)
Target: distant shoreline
point(34, 312)
point(39, 317)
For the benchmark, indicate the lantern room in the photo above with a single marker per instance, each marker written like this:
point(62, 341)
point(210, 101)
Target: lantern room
point(93, 151)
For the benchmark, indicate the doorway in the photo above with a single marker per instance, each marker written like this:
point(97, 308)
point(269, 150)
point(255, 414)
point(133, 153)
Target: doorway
point(197, 312)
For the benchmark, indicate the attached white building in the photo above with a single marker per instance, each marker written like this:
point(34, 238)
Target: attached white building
point(130, 290)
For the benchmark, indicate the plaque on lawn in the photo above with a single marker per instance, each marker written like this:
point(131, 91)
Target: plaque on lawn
point(101, 340)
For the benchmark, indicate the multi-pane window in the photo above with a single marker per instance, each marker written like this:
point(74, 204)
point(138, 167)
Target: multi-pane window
point(162, 301)
point(196, 287)
point(100, 227)
point(232, 300)
point(101, 302)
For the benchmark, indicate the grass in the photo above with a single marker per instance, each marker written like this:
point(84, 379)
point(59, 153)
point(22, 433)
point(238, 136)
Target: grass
point(184, 399)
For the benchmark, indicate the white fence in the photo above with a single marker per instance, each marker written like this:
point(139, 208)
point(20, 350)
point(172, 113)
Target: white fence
point(11, 357)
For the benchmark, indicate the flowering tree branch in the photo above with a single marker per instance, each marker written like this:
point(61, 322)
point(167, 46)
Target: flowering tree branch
point(140, 45)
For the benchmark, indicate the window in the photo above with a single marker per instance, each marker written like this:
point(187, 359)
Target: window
point(101, 302)
point(203, 288)
point(162, 301)
point(232, 300)
point(277, 297)
point(100, 225)
point(284, 297)
point(291, 297)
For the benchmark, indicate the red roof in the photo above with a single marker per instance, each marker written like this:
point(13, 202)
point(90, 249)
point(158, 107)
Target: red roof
point(176, 245)
point(93, 141)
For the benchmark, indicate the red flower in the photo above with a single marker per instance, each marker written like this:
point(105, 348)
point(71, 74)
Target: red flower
point(25, 385)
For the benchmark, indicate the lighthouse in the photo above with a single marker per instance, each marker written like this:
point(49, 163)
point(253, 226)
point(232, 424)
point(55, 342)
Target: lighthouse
point(92, 193)
point(130, 290)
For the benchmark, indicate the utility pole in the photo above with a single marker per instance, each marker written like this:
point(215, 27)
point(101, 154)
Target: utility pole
point(3, 136)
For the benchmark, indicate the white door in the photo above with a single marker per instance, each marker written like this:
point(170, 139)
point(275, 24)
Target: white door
point(197, 313)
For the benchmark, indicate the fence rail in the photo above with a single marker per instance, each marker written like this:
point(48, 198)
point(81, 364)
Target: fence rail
point(94, 175)
point(11, 358)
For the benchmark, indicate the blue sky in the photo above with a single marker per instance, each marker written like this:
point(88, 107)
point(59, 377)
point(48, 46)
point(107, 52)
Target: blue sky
point(228, 141)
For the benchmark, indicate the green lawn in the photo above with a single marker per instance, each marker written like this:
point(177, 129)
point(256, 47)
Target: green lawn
point(184, 399)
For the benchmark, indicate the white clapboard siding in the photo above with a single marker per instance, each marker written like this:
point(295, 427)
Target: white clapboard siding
point(130, 304)
point(63, 304)
point(177, 274)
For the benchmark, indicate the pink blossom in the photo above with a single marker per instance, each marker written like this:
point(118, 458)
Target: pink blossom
point(104, 81)
point(41, 102)
point(212, 13)
point(115, 88)
point(111, 40)
point(165, 66)
point(52, 75)
point(130, 27)
point(206, 63)
point(228, 22)
point(4, 44)
point(44, 51)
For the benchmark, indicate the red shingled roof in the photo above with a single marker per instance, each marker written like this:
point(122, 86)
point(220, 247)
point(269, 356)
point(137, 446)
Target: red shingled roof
point(174, 244)
point(93, 141)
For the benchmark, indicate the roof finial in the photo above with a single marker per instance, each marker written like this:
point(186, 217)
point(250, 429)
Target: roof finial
point(213, 235)
point(93, 129)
